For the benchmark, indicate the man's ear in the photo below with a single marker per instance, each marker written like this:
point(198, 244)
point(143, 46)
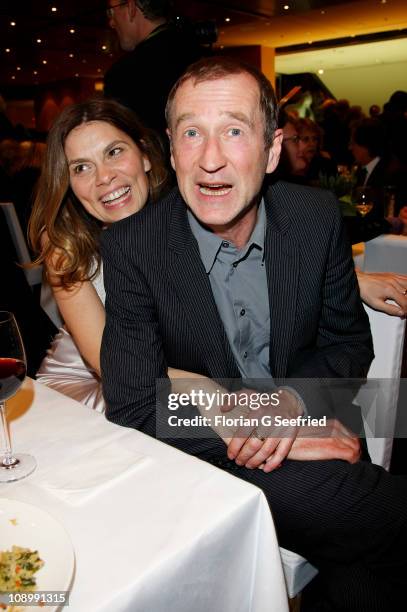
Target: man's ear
point(132, 9)
point(274, 151)
point(171, 151)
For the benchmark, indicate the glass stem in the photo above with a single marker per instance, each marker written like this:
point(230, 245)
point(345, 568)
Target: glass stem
point(7, 458)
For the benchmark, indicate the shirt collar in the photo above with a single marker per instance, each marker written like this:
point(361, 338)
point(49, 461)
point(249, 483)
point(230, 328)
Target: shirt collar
point(371, 166)
point(209, 243)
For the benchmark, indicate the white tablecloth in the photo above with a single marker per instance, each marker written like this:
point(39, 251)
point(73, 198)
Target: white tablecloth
point(171, 534)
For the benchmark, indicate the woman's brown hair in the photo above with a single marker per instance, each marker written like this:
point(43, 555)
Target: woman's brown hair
point(58, 214)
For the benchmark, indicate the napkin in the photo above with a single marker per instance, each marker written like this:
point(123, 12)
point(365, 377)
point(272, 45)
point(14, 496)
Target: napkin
point(83, 477)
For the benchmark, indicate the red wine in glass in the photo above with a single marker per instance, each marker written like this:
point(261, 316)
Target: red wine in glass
point(12, 373)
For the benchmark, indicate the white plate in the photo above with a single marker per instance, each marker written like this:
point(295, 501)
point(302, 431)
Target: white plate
point(30, 527)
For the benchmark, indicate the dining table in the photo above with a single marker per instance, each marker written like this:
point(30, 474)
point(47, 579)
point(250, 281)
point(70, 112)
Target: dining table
point(152, 528)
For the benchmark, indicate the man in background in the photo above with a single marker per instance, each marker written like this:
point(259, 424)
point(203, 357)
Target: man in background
point(158, 53)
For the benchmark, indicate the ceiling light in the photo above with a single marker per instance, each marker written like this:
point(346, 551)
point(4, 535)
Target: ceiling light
point(54, 9)
point(12, 23)
point(72, 31)
point(71, 55)
point(76, 74)
point(39, 40)
point(104, 47)
point(18, 67)
point(99, 70)
point(44, 61)
point(35, 72)
point(321, 71)
point(13, 77)
point(227, 18)
point(7, 50)
point(286, 7)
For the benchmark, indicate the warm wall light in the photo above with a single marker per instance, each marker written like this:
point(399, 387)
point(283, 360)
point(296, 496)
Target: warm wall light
point(35, 72)
point(71, 55)
point(72, 31)
point(54, 9)
point(39, 40)
point(18, 67)
point(12, 23)
point(99, 86)
point(227, 18)
point(44, 61)
point(7, 50)
point(104, 47)
point(286, 7)
point(321, 71)
point(13, 77)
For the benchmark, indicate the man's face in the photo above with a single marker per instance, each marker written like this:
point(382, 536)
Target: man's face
point(360, 153)
point(120, 19)
point(217, 148)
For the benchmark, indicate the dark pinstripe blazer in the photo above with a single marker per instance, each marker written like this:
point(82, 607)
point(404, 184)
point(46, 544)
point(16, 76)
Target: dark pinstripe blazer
point(160, 308)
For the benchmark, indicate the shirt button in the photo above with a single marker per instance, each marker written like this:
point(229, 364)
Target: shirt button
point(225, 244)
point(242, 312)
point(245, 355)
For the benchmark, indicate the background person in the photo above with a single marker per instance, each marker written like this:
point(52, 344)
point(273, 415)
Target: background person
point(157, 54)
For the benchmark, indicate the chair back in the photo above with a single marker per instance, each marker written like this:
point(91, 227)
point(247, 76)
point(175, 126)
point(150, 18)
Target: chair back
point(379, 403)
point(33, 275)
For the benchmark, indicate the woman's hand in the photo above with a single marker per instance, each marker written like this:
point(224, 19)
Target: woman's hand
point(378, 287)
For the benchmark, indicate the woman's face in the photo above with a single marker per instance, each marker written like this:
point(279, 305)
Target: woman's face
point(291, 147)
point(309, 142)
point(107, 171)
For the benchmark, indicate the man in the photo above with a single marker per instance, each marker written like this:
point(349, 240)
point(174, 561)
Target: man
point(227, 281)
point(157, 54)
point(377, 170)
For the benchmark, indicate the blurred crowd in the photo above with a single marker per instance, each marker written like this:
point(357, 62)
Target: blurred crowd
point(343, 149)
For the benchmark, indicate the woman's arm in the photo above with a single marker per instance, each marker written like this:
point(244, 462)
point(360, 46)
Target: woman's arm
point(84, 317)
point(81, 309)
point(378, 287)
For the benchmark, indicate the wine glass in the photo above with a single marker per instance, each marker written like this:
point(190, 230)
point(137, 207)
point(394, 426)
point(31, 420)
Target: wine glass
point(12, 373)
point(363, 200)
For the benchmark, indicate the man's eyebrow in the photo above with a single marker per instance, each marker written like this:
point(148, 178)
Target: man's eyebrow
point(240, 117)
point(232, 114)
point(183, 117)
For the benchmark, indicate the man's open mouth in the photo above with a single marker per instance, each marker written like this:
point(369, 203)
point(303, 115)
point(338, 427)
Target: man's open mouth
point(214, 189)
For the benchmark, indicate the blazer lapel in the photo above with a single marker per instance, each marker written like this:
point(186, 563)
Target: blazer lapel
point(193, 287)
point(282, 265)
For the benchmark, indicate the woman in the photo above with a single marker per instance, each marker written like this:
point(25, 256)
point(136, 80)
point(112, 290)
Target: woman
point(100, 167)
point(310, 141)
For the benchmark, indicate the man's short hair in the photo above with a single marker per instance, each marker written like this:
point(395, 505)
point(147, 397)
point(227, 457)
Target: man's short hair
point(370, 133)
point(213, 68)
point(155, 9)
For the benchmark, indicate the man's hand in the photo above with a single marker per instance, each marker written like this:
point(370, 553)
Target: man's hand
point(257, 447)
point(378, 287)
